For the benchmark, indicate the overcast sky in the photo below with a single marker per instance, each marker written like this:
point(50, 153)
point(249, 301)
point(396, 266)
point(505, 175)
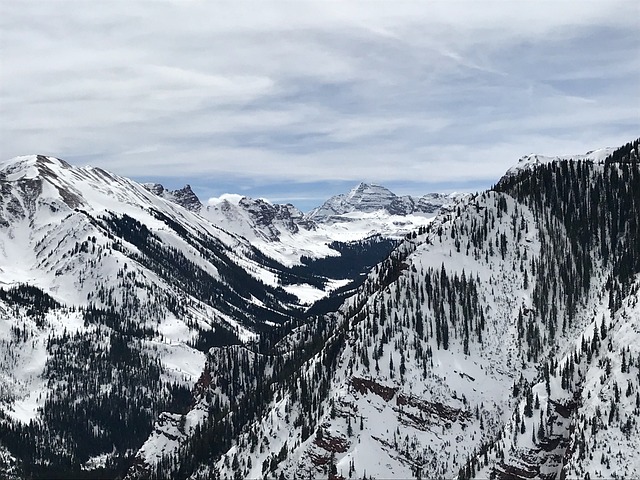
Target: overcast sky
point(299, 100)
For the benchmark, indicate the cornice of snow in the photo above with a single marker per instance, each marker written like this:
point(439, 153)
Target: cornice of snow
point(531, 161)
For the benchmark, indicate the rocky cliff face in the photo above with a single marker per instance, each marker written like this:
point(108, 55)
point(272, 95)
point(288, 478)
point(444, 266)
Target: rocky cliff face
point(256, 217)
point(183, 196)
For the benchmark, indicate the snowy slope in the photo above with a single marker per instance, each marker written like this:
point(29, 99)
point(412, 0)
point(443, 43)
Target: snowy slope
point(280, 231)
point(49, 205)
point(470, 352)
point(86, 254)
point(386, 424)
point(499, 340)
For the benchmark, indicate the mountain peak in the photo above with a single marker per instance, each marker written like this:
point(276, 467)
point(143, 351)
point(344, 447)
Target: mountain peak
point(155, 188)
point(30, 166)
point(370, 197)
point(362, 186)
point(369, 189)
point(185, 197)
point(255, 218)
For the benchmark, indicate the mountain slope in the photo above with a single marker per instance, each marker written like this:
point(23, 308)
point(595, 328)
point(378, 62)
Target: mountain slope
point(110, 296)
point(280, 231)
point(497, 341)
point(471, 351)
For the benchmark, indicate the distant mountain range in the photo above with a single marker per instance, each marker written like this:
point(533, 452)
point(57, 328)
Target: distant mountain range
point(285, 233)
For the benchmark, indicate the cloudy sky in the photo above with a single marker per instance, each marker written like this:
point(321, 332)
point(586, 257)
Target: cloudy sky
point(298, 100)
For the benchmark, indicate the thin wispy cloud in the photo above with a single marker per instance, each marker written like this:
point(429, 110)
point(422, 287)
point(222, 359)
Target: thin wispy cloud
point(253, 95)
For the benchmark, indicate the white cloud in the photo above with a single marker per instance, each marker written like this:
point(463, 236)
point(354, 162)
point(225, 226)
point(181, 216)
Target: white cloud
point(312, 91)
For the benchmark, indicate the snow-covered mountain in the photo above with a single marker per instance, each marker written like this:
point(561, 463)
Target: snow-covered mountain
point(368, 198)
point(98, 272)
point(498, 340)
point(279, 231)
point(256, 218)
point(110, 296)
point(48, 206)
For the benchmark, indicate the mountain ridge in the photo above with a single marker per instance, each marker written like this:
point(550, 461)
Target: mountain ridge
point(286, 234)
point(120, 293)
point(531, 161)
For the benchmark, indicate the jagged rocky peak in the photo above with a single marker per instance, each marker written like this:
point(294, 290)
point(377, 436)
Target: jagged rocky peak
point(266, 212)
point(184, 197)
point(187, 198)
point(367, 198)
point(155, 188)
point(256, 217)
point(370, 197)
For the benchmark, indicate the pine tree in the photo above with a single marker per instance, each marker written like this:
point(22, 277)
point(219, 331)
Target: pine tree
point(603, 328)
point(528, 406)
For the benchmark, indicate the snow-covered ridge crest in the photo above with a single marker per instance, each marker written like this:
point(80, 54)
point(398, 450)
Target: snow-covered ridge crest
point(27, 167)
point(531, 161)
point(44, 197)
point(88, 187)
